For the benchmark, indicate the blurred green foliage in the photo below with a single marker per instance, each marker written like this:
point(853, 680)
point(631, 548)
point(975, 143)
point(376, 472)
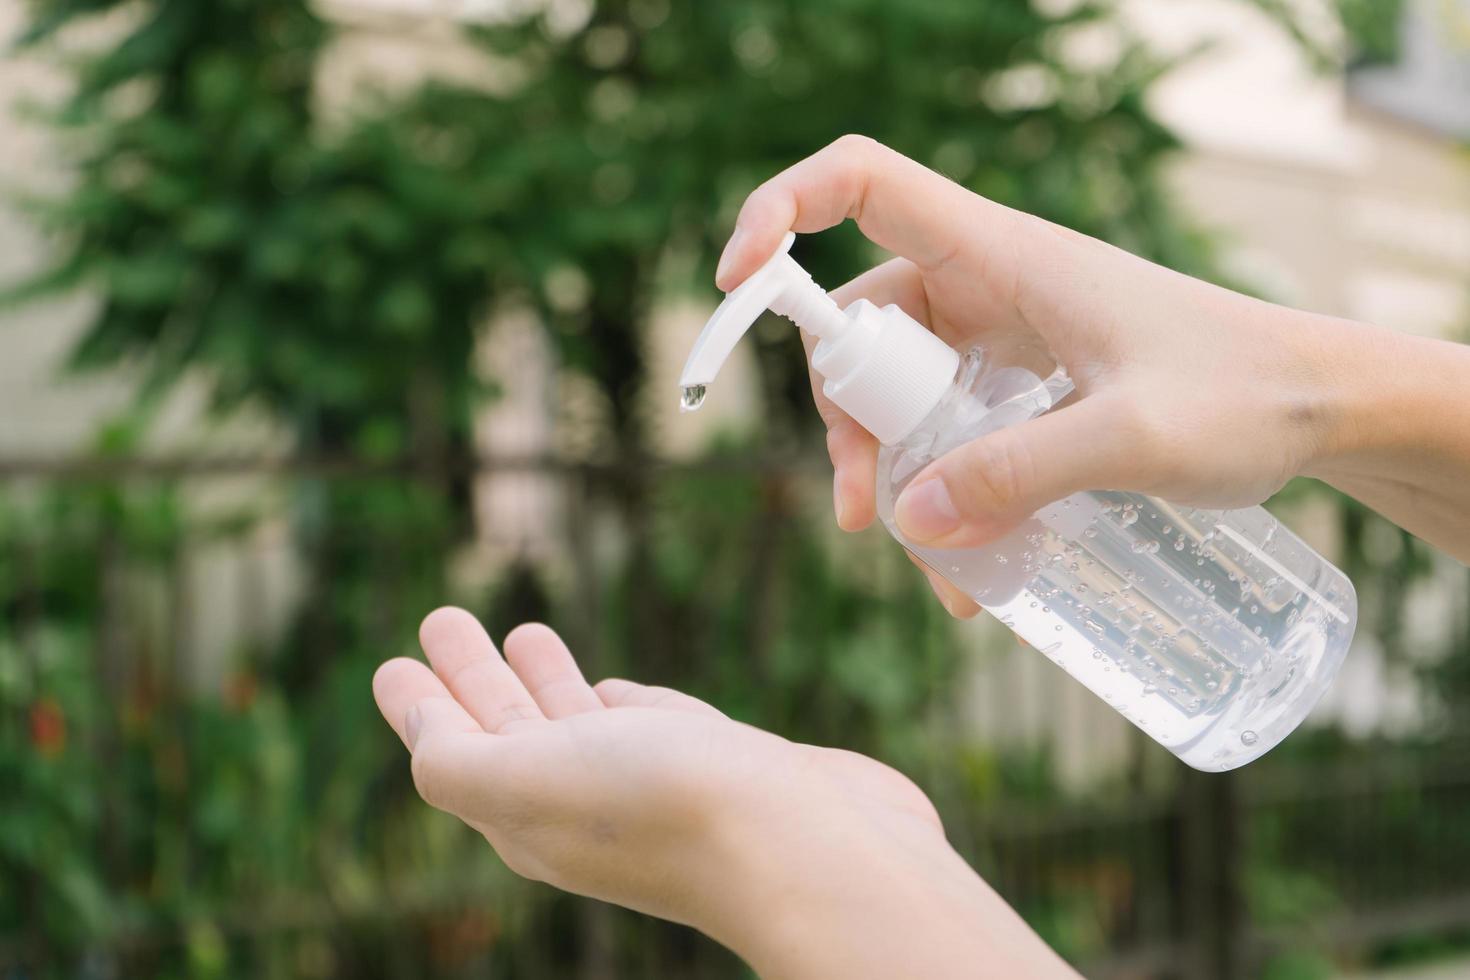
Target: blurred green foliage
point(336, 266)
point(1370, 30)
point(338, 273)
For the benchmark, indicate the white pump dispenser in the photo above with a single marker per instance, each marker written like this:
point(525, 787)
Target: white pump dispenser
point(1213, 631)
point(881, 367)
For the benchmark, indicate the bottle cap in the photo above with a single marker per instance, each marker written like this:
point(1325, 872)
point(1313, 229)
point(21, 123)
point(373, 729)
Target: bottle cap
point(879, 365)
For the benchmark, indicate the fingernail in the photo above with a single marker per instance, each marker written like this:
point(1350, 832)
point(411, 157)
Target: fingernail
point(926, 511)
point(728, 255)
point(411, 724)
point(837, 497)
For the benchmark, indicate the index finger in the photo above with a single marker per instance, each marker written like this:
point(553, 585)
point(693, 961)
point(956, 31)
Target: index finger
point(899, 204)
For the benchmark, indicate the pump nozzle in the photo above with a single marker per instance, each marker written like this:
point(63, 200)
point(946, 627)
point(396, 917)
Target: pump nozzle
point(881, 367)
point(780, 285)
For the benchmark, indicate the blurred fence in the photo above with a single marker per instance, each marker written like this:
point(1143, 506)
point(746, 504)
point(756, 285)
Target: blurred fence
point(1340, 849)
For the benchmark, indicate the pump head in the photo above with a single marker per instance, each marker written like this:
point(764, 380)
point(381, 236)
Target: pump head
point(880, 366)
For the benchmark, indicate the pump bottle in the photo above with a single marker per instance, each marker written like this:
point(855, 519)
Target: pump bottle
point(1213, 631)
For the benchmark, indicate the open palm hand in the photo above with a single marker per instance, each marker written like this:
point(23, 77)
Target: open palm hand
point(619, 791)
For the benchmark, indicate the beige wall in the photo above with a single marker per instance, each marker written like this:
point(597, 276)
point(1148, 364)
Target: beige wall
point(240, 592)
point(1317, 202)
point(1387, 241)
point(37, 412)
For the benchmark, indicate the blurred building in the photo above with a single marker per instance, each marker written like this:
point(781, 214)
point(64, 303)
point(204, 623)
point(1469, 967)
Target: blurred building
point(1348, 195)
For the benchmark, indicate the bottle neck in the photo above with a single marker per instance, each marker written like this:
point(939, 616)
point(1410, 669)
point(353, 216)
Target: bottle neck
point(954, 407)
point(884, 369)
point(984, 398)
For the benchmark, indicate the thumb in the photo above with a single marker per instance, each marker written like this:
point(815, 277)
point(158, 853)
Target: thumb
point(978, 491)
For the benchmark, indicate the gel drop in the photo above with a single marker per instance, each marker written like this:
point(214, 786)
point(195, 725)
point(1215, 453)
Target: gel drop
point(1213, 631)
point(691, 397)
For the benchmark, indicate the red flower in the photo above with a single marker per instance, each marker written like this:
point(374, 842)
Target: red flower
point(48, 727)
point(240, 691)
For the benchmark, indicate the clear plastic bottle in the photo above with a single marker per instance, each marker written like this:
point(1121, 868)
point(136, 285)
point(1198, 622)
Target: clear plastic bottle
point(1215, 632)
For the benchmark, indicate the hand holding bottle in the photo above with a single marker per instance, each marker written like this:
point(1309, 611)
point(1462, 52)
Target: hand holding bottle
point(1184, 390)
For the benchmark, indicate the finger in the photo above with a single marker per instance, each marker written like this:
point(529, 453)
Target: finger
point(899, 204)
point(854, 454)
point(618, 693)
point(955, 602)
point(401, 683)
point(980, 490)
point(464, 658)
point(898, 281)
point(544, 664)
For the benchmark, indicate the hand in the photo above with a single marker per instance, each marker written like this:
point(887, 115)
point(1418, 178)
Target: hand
point(1185, 390)
point(655, 800)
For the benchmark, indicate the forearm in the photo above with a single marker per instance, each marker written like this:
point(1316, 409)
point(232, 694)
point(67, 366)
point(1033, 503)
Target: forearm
point(860, 902)
point(1397, 429)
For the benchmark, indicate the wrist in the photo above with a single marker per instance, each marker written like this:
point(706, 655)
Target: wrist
point(816, 887)
point(1378, 391)
point(807, 898)
point(1331, 394)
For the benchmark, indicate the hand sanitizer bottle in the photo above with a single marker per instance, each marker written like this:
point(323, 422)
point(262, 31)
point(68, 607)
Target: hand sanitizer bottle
point(1215, 632)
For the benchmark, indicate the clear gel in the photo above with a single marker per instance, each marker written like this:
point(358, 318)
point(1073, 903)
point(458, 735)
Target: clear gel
point(1215, 632)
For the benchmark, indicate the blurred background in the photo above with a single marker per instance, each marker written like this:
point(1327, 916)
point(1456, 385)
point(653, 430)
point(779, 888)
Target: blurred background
point(318, 315)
